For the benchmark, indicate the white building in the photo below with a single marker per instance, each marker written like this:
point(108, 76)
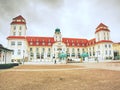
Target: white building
point(32, 48)
point(5, 55)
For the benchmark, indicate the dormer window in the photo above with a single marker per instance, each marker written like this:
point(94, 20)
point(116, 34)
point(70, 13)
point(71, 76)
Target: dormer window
point(49, 43)
point(14, 33)
point(67, 44)
point(43, 43)
point(19, 33)
point(37, 43)
point(73, 44)
point(49, 40)
point(82, 44)
point(31, 43)
point(18, 20)
point(14, 28)
point(23, 21)
point(20, 28)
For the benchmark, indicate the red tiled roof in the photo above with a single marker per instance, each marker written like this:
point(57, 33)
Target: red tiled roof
point(75, 42)
point(102, 27)
point(104, 41)
point(91, 42)
point(40, 41)
point(22, 20)
point(18, 17)
point(48, 41)
point(16, 37)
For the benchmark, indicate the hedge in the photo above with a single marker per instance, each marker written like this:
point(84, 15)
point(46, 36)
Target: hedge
point(6, 66)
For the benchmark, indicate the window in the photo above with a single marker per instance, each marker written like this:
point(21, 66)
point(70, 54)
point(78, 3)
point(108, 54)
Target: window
point(109, 46)
point(43, 43)
point(19, 52)
point(67, 44)
point(43, 49)
point(37, 49)
point(19, 43)
point(73, 54)
point(37, 43)
point(19, 33)
point(73, 49)
point(78, 49)
point(90, 49)
point(93, 53)
point(110, 52)
point(82, 44)
point(31, 54)
point(12, 43)
point(30, 49)
point(104, 38)
point(49, 43)
point(72, 44)
point(14, 28)
point(20, 28)
point(105, 46)
point(98, 46)
point(106, 52)
point(82, 50)
point(67, 49)
point(31, 43)
point(14, 33)
point(90, 53)
point(13, 52)
point(48, 49)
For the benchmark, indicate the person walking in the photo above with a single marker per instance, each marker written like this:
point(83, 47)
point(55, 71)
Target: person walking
point(55, 61)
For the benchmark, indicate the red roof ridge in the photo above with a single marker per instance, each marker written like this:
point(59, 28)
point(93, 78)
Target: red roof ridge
point(101, 25)
point(38, 37)
point(75, 38)
point(18, 17)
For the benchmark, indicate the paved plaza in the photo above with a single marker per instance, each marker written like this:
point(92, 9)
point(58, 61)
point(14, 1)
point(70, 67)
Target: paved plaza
point(75, 76)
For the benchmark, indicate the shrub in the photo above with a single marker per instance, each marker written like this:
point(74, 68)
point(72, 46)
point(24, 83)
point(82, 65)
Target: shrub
point(6, 66)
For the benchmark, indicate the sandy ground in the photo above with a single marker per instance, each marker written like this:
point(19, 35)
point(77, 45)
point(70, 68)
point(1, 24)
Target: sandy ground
point(87, 77)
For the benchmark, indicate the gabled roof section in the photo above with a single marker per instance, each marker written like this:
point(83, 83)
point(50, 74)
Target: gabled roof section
point(40, 41)
point(102, 27)
point(18, 20)
point(91, 42)
point(18, 17)
point(76, 42)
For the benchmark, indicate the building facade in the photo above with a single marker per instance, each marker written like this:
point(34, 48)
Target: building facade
point(5, 55)
point(36, 48)
point(116, 50)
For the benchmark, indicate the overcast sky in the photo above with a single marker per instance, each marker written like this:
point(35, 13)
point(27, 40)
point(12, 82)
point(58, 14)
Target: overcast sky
point(75, 18)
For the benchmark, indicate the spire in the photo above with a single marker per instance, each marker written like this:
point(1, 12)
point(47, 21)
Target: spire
point(18, 20)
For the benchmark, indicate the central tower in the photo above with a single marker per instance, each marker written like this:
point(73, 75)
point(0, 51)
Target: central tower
point(57, 35)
